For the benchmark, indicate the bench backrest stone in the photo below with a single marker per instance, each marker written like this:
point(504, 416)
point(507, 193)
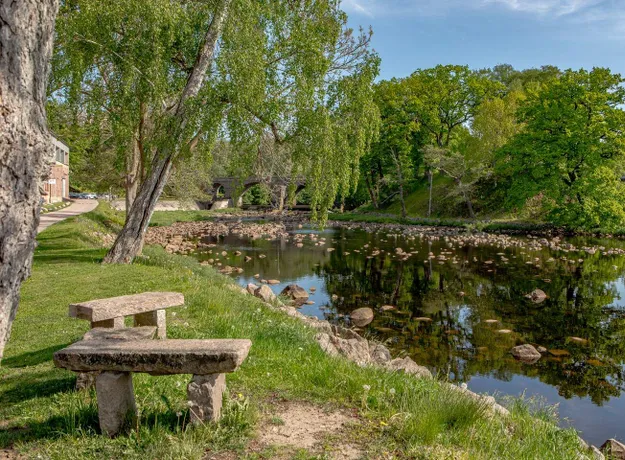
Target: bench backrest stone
point(126, 333)
point(115, 307)
point(169, 356)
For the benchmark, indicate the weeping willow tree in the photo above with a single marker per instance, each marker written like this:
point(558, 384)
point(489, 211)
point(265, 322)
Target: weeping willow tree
point(172, 77)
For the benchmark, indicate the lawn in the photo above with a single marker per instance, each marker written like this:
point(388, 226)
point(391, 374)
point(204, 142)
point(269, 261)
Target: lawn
point(41, 416)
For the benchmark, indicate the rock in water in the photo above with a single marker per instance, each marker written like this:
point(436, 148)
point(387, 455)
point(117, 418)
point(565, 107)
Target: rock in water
point(526, 353)
point(408, 366)
point(537, 296)
point(251, 288)
point(273, 281)
point(614, 449)
point(295, 292)
point(362, 316)
point(265, 293)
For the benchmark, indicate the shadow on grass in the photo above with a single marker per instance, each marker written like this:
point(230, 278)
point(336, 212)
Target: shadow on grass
point(69, 255)
point(22, 388)
point(84, 420)
point(32, 358)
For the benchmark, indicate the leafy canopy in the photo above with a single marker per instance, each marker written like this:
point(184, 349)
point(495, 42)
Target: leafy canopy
point(571, 150)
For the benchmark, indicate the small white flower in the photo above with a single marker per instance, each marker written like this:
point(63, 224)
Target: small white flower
point(178, 384)
point(366, 387)
point(392, 391)
point(178, 414)
point(300, 348)
point(258, 310)
point(190, 403)
point(464, 386)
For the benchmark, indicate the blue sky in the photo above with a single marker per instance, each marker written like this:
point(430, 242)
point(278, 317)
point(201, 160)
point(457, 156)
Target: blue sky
point(411, 34)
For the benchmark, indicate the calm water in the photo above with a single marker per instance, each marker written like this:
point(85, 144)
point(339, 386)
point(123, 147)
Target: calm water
point(445, 292)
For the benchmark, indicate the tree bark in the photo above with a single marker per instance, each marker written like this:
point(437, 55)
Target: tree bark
point(129, 242)
point(400, 177)
point(26, 35)
point(374, 199)
point(430, 177)
point(133, 174)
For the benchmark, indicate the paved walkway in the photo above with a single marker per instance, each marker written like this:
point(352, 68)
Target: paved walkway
point(77, 207)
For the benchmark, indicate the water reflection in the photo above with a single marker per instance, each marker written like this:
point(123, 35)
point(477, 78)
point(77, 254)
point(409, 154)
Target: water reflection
point(459, 308)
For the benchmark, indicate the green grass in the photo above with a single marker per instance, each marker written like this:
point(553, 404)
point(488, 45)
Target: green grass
point(41, 416)
point(417, 201)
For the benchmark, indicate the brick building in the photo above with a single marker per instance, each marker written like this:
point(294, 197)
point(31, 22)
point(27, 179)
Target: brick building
point(56, 188)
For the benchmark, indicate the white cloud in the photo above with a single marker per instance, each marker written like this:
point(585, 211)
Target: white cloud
point(607, 16)
point(549, 7)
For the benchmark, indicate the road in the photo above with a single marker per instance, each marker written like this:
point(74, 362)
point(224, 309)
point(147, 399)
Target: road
point(76, 208)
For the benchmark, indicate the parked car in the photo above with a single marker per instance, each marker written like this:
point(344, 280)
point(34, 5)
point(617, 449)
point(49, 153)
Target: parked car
point(91, 196)
point(75, 195)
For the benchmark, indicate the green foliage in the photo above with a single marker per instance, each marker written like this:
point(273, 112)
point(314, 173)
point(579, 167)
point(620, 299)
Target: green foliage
point(571, 150)
point(287, 71)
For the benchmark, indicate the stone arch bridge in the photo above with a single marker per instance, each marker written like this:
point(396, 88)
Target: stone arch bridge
point(234, 188)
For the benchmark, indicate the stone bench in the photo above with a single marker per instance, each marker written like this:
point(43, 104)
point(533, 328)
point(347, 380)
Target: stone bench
point(117, 358)
point(148, 309)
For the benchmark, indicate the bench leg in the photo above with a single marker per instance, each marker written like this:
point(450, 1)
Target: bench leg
point(116, 401)
point(153, 318)
point(114, 323)
point(205, 393)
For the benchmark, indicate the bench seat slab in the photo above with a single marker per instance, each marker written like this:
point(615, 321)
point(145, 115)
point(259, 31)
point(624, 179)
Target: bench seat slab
point(114, 307)
point(199, 357)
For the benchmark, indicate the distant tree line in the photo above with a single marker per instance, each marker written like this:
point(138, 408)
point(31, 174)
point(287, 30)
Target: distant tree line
point(546, 141)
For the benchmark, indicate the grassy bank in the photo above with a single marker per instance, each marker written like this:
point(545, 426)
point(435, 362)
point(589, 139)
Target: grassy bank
point(397, 416)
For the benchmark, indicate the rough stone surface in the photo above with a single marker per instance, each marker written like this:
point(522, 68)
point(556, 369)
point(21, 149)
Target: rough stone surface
point(526, 353)
point(614, 449)
point(251, 288)
point(155, 356)
point(265, 293)
point(362, 316)
point(379, 353)
point(353, 349)
point(408, 366)
point(156, 318)
point(596, 453)
point(116, 401)
point(490, 401)
point(113, 307)
point(84, 380)
point(205, 394)
point(296, 293)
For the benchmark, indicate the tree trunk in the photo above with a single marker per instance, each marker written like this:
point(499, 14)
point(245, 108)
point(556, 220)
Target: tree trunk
point(430, 177)
point(400, 177)
point(374, 199)
point(133, 173)
point(129, 242)
point(26, 35)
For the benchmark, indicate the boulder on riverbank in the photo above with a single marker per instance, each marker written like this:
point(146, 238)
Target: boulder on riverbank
point(614, 449)
point(265, 294)
point(526, 353)
point(296, 293)
point(408, 366)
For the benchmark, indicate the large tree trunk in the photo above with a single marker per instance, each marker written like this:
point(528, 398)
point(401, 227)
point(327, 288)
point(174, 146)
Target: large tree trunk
point(26, 34)
point(129, 242)
point(133, 174)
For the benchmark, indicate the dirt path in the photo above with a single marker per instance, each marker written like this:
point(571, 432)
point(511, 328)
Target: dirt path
point(76, 208)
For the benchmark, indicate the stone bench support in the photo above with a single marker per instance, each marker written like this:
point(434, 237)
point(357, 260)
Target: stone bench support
point(116, 401)
point(205, 394)
point(153, 318)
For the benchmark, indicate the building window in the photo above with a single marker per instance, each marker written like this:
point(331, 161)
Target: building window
point(60, 155)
